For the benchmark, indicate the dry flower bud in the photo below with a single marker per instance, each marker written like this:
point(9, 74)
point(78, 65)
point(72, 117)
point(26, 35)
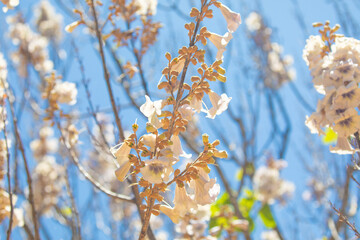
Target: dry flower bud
point(168, 56)
point(71, 27)
point(194, 12)
point(205, 139)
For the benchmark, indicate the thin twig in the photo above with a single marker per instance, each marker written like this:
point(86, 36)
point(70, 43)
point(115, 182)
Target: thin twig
point(106, 74)
point(74, 209)
point(27, 170)
point(87, 175)
point(183, 75)
point(8, 233)
point(138, 200)
point(87, 90)
point(346, 221)
point(147, 219)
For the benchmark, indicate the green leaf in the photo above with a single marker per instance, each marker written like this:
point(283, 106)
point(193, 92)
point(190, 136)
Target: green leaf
point(219, 221)
point(267, 217)
point(250, 168)
point(215, 207)
point(239, 174)
point(330, 136)
point(212, 223)
point(251, 224)
point(246, 203)
point(215, 220)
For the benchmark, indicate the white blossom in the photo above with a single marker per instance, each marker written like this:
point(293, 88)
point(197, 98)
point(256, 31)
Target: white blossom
point(219, 104)
point(233, 19)
point(253, 22)
point(146, 7)
point(10, 4)
point(65, 92)
point(268, 186)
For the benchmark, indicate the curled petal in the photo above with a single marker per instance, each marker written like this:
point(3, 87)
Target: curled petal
point(220, 104)
point(314, 123)
point(122, 171)
point(196, 104)
point(121, 152)
point(171, 213)
point(343, 147)
point(206, 189)
point(177, 149)
point(183, 202)
point(220, 43)
point(233, 19)
point(186, 112)
point(150, 108)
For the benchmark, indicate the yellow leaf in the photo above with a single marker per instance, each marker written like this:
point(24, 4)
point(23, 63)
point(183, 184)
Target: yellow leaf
point(66, 211)
point(330, 136)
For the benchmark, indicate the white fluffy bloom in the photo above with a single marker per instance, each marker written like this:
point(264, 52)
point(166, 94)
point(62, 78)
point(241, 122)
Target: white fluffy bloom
point(5, 209)
point(47, 184)
point(65, 92)
point(10, 4)
point(253, 22)
point(32, 48)
point(146, 7)
point(46, 144)
point(312, 50)
point(268, 186)
point(48, 22)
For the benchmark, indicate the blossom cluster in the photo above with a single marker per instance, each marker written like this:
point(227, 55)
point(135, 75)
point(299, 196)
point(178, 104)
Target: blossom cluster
point(318, 190)
point(278, 68)
point(48, 22)
point(169, 117)
point(58, 92)
point(32, 48)
point(269, 186)
point(194, 224)
point(5, 205)
point(48, 182)
point(335, 73)
point(47, 175)
point(9, 4)
point(146, 7)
